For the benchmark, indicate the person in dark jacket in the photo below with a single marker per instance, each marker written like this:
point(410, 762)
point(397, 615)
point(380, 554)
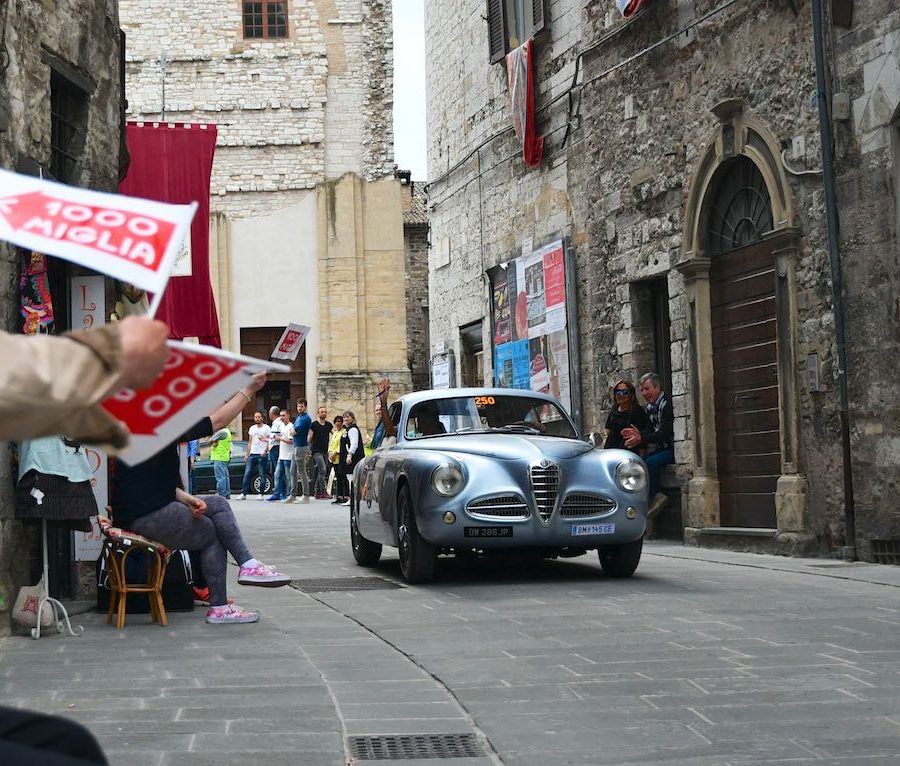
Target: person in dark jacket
point(657, 438)
point(352, 451)
point(625, 411)
point(147, 498)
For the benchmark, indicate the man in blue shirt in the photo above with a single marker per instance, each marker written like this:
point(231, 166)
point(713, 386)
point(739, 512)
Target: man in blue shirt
point(299, 476)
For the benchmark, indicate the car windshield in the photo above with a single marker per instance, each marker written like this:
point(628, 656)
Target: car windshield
point(488, 413)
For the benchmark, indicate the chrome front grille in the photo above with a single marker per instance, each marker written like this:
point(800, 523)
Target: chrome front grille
point(500, 507)
point(545, 485)
point(586, 505)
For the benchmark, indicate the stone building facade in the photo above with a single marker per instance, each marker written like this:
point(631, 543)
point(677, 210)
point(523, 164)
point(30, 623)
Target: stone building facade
point(415, 240)
point(301, 110)
point(682, 160)
point(58, 61)
point(484, 205)
point(290, 111)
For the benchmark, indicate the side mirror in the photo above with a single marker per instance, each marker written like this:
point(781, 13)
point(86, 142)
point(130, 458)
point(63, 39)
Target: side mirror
point(596, 440)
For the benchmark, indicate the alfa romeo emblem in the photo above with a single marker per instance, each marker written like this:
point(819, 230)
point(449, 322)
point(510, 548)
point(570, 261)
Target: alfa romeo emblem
point(545, 463)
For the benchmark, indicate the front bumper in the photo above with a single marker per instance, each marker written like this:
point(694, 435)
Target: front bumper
point(559, 530)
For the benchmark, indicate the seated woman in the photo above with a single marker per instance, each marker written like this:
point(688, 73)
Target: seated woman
point(148, 499)
point(625, 412)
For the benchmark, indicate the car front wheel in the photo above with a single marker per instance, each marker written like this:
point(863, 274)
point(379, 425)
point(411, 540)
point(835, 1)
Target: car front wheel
point(620, 560)
point(365, 551)
point(417, 556)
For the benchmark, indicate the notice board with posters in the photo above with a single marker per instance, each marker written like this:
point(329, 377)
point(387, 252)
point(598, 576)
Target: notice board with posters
point(529, 326)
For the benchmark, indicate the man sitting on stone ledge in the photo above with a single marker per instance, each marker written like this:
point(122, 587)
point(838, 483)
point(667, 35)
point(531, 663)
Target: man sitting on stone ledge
point(657, 437)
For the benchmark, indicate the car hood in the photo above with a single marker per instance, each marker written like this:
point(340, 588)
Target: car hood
point(504, 446)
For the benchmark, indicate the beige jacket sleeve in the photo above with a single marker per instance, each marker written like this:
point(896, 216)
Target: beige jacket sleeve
point(53, 385)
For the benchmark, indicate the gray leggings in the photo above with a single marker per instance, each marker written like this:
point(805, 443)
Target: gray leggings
point(213, 534)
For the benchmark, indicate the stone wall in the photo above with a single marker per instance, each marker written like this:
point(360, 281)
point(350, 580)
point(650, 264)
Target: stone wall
point(362, 312)
point(84, 35)
point(484, 210)
point(642, 119)
point(648, 124)
point(867, 68)
point(416, 248)
point(290, 112)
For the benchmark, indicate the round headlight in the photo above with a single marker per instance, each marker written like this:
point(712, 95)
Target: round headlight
point(631, 476)
point(447, 479)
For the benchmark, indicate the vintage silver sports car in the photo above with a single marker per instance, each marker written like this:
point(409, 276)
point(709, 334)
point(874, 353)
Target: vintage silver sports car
point(488, 469)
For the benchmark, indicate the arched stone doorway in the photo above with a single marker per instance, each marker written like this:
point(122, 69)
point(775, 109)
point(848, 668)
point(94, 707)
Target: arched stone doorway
point(744, 344)
point(739, 248)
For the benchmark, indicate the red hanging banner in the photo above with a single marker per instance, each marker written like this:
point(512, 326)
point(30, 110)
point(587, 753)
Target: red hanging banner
point(173, 163)
point(520, 72)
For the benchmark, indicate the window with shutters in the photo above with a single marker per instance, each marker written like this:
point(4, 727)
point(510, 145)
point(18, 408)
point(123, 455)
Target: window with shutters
point(511, 23)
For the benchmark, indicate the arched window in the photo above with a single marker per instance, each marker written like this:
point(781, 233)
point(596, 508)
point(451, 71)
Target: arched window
point(742, 212)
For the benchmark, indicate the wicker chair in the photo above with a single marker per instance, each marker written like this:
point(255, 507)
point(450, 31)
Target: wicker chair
point(118, 545)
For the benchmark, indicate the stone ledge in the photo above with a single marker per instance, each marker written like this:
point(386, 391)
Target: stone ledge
point(750, 540)
point(739, 531)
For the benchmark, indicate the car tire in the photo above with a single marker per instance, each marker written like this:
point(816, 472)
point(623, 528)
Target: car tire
point(620, 560)
point(417, 556)
point(366, 553)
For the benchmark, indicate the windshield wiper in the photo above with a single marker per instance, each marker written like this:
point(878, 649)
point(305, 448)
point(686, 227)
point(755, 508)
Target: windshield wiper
point(519, 428)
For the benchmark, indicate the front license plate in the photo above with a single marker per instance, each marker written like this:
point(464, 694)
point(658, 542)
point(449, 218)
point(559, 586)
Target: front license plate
point(593, 529)
point(487, 531)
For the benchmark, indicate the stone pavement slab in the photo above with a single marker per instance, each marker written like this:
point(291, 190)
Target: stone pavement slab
point(704, 657)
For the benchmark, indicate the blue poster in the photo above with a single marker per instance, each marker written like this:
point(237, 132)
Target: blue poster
point(512, 365)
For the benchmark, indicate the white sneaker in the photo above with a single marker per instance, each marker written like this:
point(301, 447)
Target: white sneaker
point(304, 499)
point(346, 502)
point(242, 497)
point(260, 497)
point(289, 499)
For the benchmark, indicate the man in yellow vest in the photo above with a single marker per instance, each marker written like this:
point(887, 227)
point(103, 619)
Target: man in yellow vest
point(220, 454)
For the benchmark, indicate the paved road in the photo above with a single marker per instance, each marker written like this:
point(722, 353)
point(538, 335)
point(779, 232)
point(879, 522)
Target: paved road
point(703, 657)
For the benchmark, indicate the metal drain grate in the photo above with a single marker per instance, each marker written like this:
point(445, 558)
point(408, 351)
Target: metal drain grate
point(886, 551)
point(386, 747)
point(325, 584)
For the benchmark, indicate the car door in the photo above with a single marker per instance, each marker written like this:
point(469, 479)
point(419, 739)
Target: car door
point(372, 487)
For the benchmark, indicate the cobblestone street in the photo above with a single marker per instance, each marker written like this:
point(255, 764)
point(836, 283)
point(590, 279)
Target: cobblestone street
point(703, 657)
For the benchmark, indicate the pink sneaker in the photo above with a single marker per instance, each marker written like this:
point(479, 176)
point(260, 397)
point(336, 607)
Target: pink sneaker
point(223, 615)
point(262, 575)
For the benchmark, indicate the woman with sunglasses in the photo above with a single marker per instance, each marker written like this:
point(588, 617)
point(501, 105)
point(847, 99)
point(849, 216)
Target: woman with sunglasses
point(625, 411)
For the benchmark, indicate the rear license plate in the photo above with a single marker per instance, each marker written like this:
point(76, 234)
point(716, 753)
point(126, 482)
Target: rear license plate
point(593, 529)
point(487, 531)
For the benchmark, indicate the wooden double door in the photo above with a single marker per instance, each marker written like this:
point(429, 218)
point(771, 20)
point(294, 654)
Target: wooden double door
point(745, 368)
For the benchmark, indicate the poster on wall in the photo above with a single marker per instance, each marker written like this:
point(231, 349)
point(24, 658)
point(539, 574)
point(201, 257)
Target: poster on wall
point(528, 318)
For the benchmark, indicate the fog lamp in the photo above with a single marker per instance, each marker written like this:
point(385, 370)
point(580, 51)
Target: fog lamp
point(449, 517)
point(631, 513)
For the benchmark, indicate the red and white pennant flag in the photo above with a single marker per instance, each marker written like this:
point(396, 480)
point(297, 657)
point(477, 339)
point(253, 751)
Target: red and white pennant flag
point(291, 340)
point(131, 239)
point(194, 381)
